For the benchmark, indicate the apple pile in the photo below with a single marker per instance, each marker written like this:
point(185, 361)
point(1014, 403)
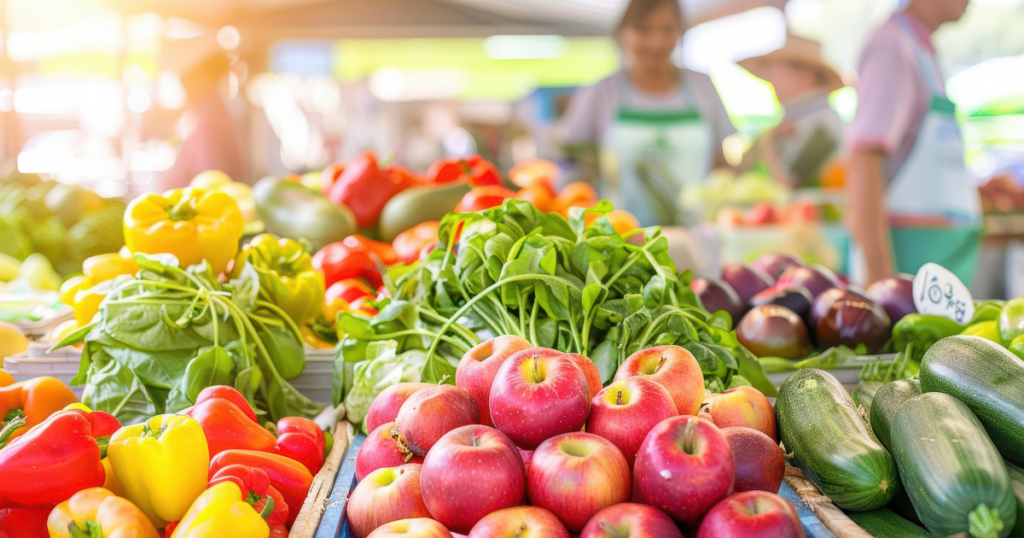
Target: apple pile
point(528, 443)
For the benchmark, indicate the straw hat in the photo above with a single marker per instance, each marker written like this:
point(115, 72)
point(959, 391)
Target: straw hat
point(801, 50)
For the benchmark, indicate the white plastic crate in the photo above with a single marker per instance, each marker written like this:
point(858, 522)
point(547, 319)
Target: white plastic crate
point(36, 361)
point(315, 381)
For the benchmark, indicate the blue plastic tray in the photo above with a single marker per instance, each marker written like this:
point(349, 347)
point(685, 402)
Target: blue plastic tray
point(334, 524)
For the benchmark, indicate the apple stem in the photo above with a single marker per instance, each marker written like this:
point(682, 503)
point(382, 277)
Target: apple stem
point(661, 360)
point(519, 532)
point(618, 399)
point(690, 437)
point(536, 377)
point(612, 532)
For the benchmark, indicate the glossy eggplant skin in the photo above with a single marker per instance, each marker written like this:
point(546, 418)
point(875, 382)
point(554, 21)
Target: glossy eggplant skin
point(774, 331)
point(853, 320)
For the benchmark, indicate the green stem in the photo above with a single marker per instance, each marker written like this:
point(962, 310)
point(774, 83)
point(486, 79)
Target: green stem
point(281, 313)
point(522, 313)
point(12, 426)
point(533, 323)
point(984, 522)
point(466, 333)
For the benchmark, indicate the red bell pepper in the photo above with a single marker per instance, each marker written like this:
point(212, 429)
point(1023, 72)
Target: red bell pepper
point(348, 289)
point(54, 460)
point(301, 440)
point(473, 170)
point(365, 188)
point(256, 488)
point(481, 198)
point(362, 307)
point(24, 522)
point(288, 476)
point(227, 427)
point(227, 393)
point(354, 257)
point(329, 176)
point(409, 245)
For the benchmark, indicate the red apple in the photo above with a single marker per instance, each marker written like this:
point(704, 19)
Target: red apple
point(575, 475)
point(631, 520)
point(411, 528)
point(520, 522)
point(385, 406)
point(590, 371)
point(684, 468)
point(626, 410)
point(743, 406)
point(752, 514)
point(382, 449)
point(469, 473)
point(527, 456)
point(671, 367)
point(432, 412)
point(539, 393)
point(478, 366)
point(386, 495)
point(758, 459)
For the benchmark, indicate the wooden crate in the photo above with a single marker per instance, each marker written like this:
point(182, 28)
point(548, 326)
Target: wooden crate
point(320, 496)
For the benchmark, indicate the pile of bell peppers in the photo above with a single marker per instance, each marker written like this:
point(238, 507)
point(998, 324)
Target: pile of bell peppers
point(71, 472)
point(364, 186)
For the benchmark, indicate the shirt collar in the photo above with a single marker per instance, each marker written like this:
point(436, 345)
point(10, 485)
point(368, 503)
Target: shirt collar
point(921, 32)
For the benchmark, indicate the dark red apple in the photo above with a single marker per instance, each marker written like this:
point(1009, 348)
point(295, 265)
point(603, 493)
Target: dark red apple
point(631, 520)
point(774, 331)
point(752, 514)
point(759, 460)
point(469, 473)
point(815, 279)
point(432, 412)
point(520, 522)
point(852, 320)
point(626, 411)
point(386, 495)
point(539, 393)
point(575, 475)
point(895, 294)
point(479, 365)
point(385, 406)
point(684, 468)
point(774, 264)
point(382, 449)
point(717, 295)
point(746, 281)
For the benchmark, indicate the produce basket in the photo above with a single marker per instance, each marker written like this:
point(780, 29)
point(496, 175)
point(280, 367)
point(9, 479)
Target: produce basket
point(334, 525)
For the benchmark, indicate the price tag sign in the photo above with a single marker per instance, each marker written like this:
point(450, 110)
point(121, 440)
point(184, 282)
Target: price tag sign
point(938, 291)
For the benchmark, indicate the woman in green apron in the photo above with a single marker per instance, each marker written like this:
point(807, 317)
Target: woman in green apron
point(658, 127)
point(931, 204)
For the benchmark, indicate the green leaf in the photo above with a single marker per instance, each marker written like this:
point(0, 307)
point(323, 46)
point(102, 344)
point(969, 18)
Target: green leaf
point(591, 295)
point(605, 356)
point(211, 367)
point(245, 288)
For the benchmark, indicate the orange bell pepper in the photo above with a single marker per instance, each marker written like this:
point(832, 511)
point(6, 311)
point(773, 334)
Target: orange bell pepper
point(539, 194)
point(534, 171)
point(36, 399)
point(481, 198)
point(578, 194)
point(409, 244)
point(98, 513)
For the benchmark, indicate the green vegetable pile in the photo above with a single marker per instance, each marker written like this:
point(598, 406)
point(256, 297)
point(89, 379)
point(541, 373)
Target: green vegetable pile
point(555, 282)
point(65, 223)
point(162, 337)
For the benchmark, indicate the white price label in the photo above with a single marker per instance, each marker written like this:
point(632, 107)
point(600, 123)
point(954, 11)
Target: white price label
point(938, 291)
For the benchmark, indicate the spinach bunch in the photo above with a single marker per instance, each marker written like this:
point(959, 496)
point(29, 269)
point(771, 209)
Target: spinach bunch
point(162, 337)
point(559, 284)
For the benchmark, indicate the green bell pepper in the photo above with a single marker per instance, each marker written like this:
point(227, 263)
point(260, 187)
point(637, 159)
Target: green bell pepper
point(923, 330)
point(988, 330)
point(986, 311)
point(286, 275)
point(1011, 319)
point(1017, 347)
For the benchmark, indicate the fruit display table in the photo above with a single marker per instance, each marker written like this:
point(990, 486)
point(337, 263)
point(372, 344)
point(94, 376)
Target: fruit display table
point(334, 525)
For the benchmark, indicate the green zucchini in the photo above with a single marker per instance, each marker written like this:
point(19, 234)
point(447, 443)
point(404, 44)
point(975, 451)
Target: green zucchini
point(832, 445)
point(884, 523)
point(887, 401)
point(1017, 483)
point(986, 377)
point(418, 205)
point(953, 473)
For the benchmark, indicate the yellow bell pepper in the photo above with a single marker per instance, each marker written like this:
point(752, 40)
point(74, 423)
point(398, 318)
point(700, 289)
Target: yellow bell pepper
point(98, 513)
point(110, 482)
point(192, 224)
point(161, 465)
point(85, 293)
point(217, 181)
point(223, 512)
point(106, 267)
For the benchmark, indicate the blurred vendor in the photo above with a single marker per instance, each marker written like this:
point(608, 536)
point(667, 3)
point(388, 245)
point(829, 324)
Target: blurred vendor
point(911, 200)
point(659, 127)
point(210, 138)
point(796, 150)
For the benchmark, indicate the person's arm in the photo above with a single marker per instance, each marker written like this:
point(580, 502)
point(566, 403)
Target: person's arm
point(868, 220)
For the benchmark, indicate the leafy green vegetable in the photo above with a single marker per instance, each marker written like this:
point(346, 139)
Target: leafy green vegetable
point(555, 282)
point(167, 334)
point(383, 368)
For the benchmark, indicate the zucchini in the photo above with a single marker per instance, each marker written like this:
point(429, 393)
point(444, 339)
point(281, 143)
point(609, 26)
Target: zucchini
point(986, 377)
point(887, 401)
point(832, 444)
point(953, 473)
point(291, 210)
point(418, 205)
point(1017, 483)
point(884, 523)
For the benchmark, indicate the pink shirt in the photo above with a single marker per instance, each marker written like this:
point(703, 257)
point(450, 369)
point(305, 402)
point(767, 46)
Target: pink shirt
point(214, 144)
point(893, 95)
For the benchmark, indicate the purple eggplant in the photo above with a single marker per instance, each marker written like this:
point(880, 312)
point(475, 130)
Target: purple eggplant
point(774, 331)
point(746, 281)
point(851, 320)
point(896, 295)
point(718, 295)
point(775, 264)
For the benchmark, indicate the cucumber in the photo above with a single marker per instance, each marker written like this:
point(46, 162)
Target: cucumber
point(953, 473)
point(884, 523)
point(986, 377)
point(418, 205)
point(887, 401)
point(832, 445)
point(1017, 483)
